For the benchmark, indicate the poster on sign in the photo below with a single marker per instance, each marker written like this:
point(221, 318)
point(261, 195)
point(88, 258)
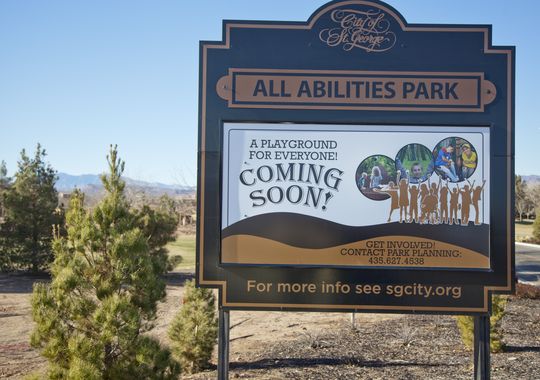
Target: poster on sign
point(355, 196)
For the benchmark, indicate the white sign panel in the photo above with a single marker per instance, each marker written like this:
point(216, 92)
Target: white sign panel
point(399, 196)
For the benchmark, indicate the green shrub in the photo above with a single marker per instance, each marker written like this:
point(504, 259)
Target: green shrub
point(193, 331)
point(466, 326)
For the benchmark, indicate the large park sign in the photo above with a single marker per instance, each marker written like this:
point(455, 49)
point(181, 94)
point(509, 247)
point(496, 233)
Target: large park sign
point(356, 162)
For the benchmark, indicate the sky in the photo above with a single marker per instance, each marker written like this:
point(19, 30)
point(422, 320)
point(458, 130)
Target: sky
point(77, 76)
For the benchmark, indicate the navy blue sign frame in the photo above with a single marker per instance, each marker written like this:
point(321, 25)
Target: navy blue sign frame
point(368, 39)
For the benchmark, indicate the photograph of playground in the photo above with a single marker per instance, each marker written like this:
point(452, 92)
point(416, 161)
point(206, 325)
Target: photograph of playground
point(375, 173)
point(455, 159)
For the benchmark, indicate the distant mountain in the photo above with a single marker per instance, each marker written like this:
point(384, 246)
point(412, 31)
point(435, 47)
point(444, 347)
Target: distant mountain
point(91, 182)
point(532, 179)
point(68, 182)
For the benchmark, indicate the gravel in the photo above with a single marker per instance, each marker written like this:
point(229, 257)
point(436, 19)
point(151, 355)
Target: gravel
point(408, 347)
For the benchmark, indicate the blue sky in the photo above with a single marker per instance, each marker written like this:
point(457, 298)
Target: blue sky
point(77, 76)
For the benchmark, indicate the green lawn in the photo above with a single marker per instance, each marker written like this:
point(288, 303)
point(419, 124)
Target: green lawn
point(524, 230)
point(184, 246)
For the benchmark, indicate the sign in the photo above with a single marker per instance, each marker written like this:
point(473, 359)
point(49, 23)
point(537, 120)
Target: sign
point(355, 90)
point(356, 162)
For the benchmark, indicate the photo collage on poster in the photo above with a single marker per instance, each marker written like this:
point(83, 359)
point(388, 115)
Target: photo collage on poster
point(416, 193)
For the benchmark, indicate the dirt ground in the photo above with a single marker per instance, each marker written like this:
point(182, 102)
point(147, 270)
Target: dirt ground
point(279, 345)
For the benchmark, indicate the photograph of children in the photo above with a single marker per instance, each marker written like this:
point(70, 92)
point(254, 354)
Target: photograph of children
point(375, 174)
point(414, 162)
point(455, 159)
point(445, 159)
point(467, 160)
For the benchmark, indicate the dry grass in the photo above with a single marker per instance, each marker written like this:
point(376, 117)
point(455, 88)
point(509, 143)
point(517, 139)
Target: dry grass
point(524, 230)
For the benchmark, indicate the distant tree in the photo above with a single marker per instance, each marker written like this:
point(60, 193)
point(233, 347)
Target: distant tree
point(533, 194)
point(30, 212)
point(4, 184)
point(106, 282)
point(521, 198)
point(193, 332)
point(4, 179)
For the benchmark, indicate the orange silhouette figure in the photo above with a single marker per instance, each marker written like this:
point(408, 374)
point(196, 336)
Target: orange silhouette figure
point(413, 206)
point(465, 204)
point(454, 203)
point(424, 192)
point(434, 192)
point(429, 208)
point(391, 190)
point(403, 199)
point(429, 203)
point(443, 201)
point(476, 194)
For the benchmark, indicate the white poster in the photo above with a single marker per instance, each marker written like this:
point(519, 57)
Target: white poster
point(355, 195)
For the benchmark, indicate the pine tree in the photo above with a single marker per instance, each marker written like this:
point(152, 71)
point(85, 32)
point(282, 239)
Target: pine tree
point(5, 259)
point(521, 197)
point(159, 225)
point(193, 331)
point(30, 211)
point(105, 286)
point(4, 179)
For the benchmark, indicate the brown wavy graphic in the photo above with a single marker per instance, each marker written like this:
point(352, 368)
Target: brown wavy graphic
point(387, 251)
point(305, 231)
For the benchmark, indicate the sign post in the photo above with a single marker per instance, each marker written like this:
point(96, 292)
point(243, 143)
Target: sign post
point(356, 162)
point(223, 344)
point(481, 347)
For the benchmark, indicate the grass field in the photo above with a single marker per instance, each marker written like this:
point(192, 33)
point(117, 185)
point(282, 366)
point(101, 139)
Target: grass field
point(184, 246)
point(524, 230)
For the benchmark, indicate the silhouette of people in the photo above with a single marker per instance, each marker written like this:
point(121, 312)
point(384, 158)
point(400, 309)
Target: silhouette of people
point(391, 190)
point(413, 206)
point(434, 190)
point(424, 192)
point(429, 207)
point(476, 194)
point(403, 199)
point(443, 201)
point(454, 204)
point(465, 204)
point(434, 198)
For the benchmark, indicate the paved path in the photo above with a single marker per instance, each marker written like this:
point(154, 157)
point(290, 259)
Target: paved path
point(528, 263)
